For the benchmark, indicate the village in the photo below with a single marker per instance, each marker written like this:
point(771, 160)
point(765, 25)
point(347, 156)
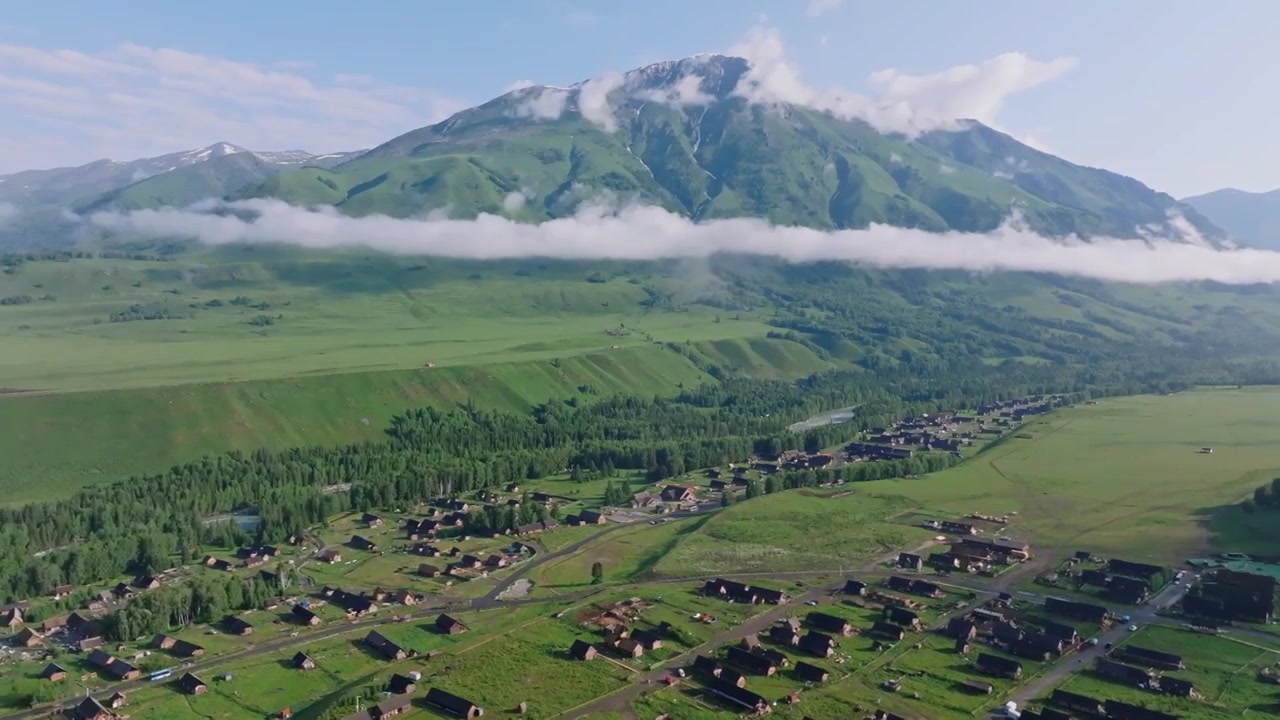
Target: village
point(971, 616)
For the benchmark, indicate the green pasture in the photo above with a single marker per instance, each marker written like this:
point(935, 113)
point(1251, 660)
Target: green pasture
point(1125, 477)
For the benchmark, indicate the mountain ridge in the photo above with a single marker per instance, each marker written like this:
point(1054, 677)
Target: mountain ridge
point(74, 185)
point(680, 134)
point(688, 135)
point(1252, 218)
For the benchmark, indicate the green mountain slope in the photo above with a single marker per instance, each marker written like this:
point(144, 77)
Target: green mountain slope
point(213, 178)
point(1252, 219)
point(723, 157)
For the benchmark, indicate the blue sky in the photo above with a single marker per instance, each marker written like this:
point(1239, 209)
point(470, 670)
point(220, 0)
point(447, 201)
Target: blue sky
point(1178, 93)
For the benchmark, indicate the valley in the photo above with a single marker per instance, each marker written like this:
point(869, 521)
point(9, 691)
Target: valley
point(807, 543)
point(936, 425)
point(254, 347)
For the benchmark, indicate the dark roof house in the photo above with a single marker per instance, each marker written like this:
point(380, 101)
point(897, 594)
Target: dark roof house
point(1147, 656)
point(810, 673)
point(236, 625)
point(828, 623)
point(400, 684)
point(910, 561)
point(304, 615)
point(184, 649)
point(391, 707)
point(385, 647)
point(452, 704)
point(192, 685)
point(816, 643)
point(997, 666)
point(749, 661)
point(449, 626)
point(90, 709)
point(888, 630)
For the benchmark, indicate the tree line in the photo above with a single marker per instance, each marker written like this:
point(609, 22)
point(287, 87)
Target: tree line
point(1265, 498)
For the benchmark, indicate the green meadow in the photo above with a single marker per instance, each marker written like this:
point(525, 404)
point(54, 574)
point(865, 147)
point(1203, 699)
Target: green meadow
point(1125, 476)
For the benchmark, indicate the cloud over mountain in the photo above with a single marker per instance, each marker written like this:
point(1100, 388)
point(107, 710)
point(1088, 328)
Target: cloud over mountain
point(601, 230)
point(899, 102)
point(905, 103)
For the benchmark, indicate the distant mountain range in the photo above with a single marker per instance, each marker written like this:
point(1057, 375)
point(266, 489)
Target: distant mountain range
point(677, 134)
point(176, 178)
point(1253, 219)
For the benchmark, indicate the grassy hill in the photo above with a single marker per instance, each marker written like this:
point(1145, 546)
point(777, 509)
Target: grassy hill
point(64, 441)
point(723, 157)
point(118, 365)
point(212, 178)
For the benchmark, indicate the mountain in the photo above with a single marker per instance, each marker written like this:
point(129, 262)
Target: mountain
point(211, 178)
point(77, 186)
point(678, 134)
point(1251, 218)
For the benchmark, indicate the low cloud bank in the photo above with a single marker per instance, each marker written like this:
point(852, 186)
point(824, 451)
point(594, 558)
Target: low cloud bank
point(635, 232)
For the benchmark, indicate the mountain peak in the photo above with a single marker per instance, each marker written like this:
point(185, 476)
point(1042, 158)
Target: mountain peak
point(701, 76)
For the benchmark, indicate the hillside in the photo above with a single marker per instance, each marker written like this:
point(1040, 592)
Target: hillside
point(182, 186)
point(75, 186)
point(676, 134)
point(173, 353)
point(1253, 219)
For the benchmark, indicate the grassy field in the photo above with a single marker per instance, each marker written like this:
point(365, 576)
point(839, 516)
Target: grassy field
point(353, 339)
point(627, 555)
point(1124, 477)
point(122, 432)
point(796, 530)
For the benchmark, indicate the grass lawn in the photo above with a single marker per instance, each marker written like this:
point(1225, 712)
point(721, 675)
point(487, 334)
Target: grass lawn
point(531, 666)
point(628, 555)
point(793, 531)
point(1123, 477)
point(936, 671)
point(1224, 672)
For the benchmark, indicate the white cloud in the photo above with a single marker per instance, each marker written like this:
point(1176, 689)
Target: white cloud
point(904, 103)
point(895, 157)
point(517, 85)
point(542, 102)
point(513, 201)
point(593, 100)
point(945, 169)
point(967, 91)
point(685, 91)
point(68, 107)
point(645, 232)
point(901, 102)
point(822, 7)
